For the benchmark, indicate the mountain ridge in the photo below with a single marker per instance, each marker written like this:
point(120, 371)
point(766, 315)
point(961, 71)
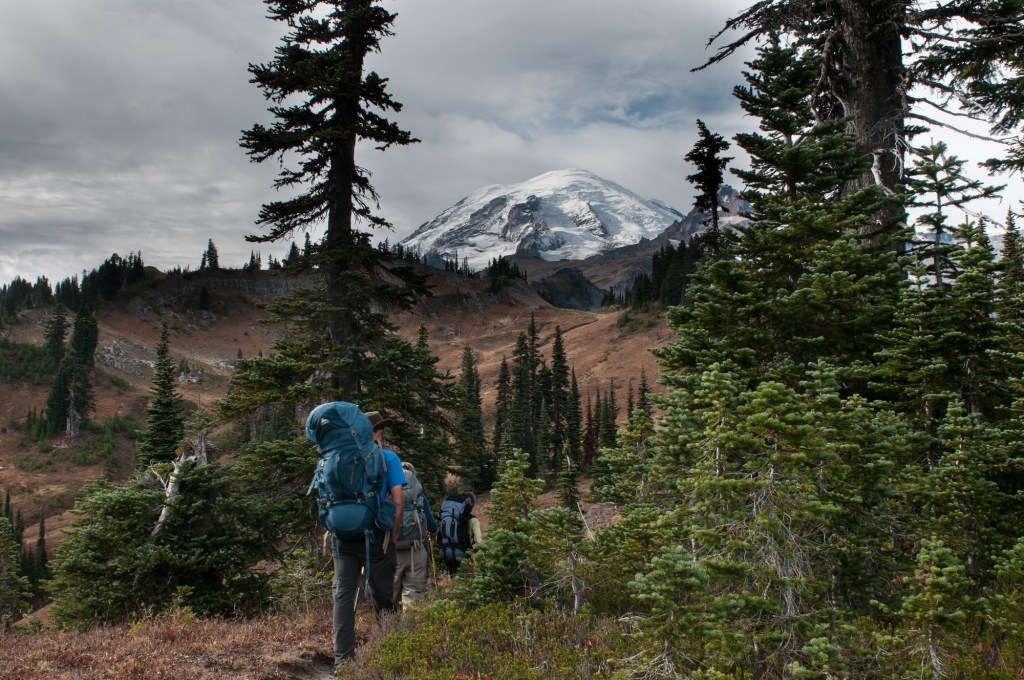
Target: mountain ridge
point(567, 214)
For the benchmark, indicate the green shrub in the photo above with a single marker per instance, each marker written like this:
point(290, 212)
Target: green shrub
point(120, 384)
point(111, 568)
point(442, 641)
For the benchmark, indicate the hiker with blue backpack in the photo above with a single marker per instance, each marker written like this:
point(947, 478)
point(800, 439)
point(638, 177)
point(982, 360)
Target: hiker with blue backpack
point(359, 486)
point(413, 553)
point(460, 530)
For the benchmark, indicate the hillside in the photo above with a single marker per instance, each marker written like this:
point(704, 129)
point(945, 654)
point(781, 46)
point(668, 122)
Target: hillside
point(40, 479)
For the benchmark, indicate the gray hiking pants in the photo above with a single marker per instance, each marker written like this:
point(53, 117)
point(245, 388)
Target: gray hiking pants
point(411, 569)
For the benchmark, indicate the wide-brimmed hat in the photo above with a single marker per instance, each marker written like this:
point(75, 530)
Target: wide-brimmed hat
point(377, 420)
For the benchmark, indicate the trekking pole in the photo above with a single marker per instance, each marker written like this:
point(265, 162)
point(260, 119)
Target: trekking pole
point(433, 565)
point(355, 600)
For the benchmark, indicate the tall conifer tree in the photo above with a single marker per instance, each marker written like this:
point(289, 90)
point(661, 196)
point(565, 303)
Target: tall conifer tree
point(54, 334)
point(164, 418)
point(14, 587)
point(325, 103)
point(706, 157)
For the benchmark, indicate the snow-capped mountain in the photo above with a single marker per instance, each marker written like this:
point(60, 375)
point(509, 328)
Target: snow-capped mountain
point(560, 215)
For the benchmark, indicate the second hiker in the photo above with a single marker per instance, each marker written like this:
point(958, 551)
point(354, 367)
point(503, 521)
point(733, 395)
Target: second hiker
point(413, 554)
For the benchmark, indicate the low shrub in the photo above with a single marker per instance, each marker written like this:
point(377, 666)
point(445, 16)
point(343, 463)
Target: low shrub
point(443, 640)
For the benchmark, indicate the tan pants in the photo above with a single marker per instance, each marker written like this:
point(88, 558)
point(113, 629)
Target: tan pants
point(411, 573)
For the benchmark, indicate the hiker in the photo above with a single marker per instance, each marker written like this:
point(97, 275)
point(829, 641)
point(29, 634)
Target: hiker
point(413, 555)
point(460, 530)
point(350, 557)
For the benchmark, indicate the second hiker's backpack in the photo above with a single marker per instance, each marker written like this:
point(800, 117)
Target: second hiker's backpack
point(414, 517)
point(455, 513)
point(350, 474)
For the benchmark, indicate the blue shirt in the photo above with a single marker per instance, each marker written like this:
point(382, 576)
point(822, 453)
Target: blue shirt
point(395, 475)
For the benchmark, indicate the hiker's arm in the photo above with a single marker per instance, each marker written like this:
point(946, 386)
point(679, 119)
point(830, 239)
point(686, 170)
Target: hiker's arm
point(474, 531)
point(431, 522)
point(399, 501)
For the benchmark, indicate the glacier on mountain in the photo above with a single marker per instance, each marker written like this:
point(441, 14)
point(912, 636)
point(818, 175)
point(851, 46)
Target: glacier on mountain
point(560, 215)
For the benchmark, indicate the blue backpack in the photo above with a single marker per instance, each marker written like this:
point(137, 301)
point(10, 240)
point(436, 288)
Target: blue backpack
point(455, 539)
point(350, 474)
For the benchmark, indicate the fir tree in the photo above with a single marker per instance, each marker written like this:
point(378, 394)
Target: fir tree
point(57, 400)
point(706, 157)
point(323, 120)
point(624, 467)
point(164, 420)
point(574, 424)
point(14, 588)
point(524, 394)
point(42, 564)
point(937, 183)
point(1011, 273)
point(502, 407)
point(210, 256)
point(110, 566)
point(54, 335)
point(500, 569)
point(559, 397)
point(469, 428)
point(81, 399)
point(643, 394)
point(777, 300)
point(339, 343)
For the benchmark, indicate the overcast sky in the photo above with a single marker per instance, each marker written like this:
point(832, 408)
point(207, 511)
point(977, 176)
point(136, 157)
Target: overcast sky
point(120, 119)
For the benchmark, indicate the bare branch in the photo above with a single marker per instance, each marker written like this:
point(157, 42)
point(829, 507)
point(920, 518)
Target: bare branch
point(947, 126)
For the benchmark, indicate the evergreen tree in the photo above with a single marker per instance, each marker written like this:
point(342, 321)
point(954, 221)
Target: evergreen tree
point(14, 588)
point(624, 467)
point(81, 398)
point(164, 419)
point(410, 386)
point(937, 182)
point(706, 157)
point(469, 427)
point(589, 440)
point(339, 343)
point(1011, 273)
point(558, 397)
point(643, 396)
point(323, 119)
point(210, 257)
point(967, 52)
point(935, 607)
point(54, 334)
point(803, 279)
point(57, 402)
point(524, 393)
point(500, 567)
point(502, 408)
point(207, 556)
point(972, 512)
point(42, 563)
point(607, 415)
point(292, 259)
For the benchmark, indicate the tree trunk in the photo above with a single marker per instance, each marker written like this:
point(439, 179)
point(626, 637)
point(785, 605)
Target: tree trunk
point(194, 452)
point(340, 238)
point(871, 84)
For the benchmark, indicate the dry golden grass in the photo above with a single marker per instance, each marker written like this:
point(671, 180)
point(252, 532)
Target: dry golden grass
point(179, 646)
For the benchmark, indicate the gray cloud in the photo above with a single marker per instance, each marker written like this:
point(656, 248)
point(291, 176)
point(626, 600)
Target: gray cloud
point(119, 119)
